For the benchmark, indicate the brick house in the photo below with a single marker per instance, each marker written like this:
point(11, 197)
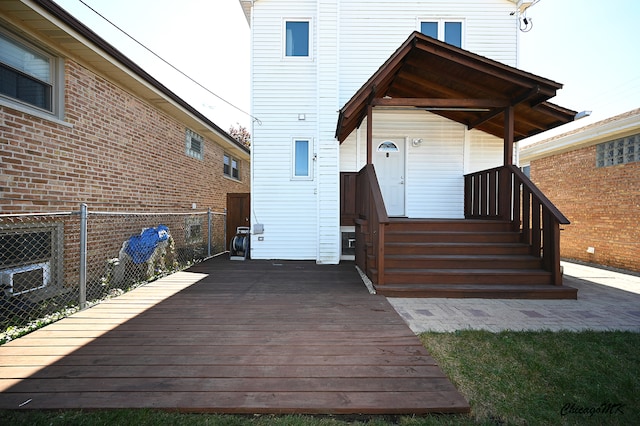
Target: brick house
point(82, 123)
point(593, 175)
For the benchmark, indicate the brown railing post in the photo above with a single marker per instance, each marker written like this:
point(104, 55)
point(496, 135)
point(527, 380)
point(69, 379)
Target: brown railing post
point(551, 247)
point(504, 209)
point(380, 253)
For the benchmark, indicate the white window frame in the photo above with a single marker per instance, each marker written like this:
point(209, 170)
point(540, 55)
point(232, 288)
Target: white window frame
point(56, 77)
point(283, 43)
point(441, 24)
point(190, 135)
point(231, 160)
point(310, 157)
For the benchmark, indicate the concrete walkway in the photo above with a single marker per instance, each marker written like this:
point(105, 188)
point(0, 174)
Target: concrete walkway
point(606, 301)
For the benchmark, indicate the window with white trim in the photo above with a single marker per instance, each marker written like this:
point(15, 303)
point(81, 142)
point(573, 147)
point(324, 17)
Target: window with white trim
point(29, 76)
point(297, 38)
point(231, 167)
point(194, 144)
point(449, 31)
point(302, 166)
point(619, 151)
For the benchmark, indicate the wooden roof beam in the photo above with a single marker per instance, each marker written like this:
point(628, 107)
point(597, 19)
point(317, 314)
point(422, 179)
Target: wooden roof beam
point(522, 98)
point(440, 103)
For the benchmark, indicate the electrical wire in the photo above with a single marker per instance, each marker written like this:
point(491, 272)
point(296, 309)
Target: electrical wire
point(255, 119)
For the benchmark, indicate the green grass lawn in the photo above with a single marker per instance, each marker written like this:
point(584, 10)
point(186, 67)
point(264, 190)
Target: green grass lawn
point(519, 378)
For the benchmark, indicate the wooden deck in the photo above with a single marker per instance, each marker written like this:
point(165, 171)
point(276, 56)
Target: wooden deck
point(232, 337)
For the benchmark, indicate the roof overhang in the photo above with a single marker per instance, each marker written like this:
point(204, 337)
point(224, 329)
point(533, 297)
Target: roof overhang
point(612, 128)
point(50, 25)
point(430, 75)
point(246, 8)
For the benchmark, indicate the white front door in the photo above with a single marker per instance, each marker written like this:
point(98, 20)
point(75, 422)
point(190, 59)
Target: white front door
point(388, 160)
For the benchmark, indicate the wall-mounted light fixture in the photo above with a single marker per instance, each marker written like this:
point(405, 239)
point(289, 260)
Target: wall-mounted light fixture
point(582, 114)
point(416, 142)
point(302, 117)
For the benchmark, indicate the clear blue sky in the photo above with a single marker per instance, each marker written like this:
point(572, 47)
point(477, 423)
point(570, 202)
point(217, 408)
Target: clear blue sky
point(591, 46)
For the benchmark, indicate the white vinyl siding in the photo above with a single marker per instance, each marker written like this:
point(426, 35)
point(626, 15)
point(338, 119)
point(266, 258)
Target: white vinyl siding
point(435, 168)
point(300, 96)
point(283, 89)
point(434, 181)
point(483, 151)
point(488, 30)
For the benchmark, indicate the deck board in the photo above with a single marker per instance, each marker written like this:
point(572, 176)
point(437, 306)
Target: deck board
point(232, 337)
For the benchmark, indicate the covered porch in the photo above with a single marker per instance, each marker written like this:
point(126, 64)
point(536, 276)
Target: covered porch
point(505, 242)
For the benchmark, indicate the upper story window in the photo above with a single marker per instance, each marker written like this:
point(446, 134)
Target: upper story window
point(194, 144)
point(231, 167)
point(619, 151)
point(29, 76)
point(297, 38)
point(449, 31)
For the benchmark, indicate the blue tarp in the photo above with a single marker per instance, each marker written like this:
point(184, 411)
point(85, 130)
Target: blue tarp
point(142, 246)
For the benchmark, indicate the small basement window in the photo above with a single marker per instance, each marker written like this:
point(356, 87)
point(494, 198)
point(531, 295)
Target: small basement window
point(30, 258)
point(194, 145)
point(193, 230)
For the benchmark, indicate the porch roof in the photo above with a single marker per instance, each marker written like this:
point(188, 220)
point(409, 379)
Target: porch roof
point(428, 74)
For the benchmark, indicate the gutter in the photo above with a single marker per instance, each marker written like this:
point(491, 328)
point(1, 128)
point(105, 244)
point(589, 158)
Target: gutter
point(58, 12)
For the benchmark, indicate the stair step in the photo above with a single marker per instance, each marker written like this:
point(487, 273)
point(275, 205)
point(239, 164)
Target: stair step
point(489, 291)
point(467, 261)
point(448, 224)
point(455, 248)
point(466, 276)
point(451, 237)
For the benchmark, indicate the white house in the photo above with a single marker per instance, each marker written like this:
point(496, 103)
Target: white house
point(317, 65)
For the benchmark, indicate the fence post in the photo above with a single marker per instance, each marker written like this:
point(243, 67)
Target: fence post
point(209, 218)
point(83, 256)
point(224, 226)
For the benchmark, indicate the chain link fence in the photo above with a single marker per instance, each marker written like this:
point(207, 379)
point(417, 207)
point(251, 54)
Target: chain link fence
point(52, 265)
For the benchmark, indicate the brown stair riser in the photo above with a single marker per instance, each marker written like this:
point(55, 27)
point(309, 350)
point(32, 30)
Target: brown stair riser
point(455, 227)
point(468, 263)
point(460, 277)
point(452, 237)
point(453, 249)
point(486, 293)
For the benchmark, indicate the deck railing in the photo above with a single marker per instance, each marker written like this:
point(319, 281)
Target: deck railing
point(505, 193)
point(371, 221)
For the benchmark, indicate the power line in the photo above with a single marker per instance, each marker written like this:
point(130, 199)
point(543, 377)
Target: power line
point(169, 64)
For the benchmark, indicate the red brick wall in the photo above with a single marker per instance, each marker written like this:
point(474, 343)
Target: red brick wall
point(603, 205)
point(117, 153)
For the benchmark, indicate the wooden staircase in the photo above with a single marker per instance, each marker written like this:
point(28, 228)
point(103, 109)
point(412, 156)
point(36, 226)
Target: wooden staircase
point(461, 258)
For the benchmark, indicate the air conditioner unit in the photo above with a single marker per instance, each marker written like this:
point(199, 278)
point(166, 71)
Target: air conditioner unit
point(26, 278)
